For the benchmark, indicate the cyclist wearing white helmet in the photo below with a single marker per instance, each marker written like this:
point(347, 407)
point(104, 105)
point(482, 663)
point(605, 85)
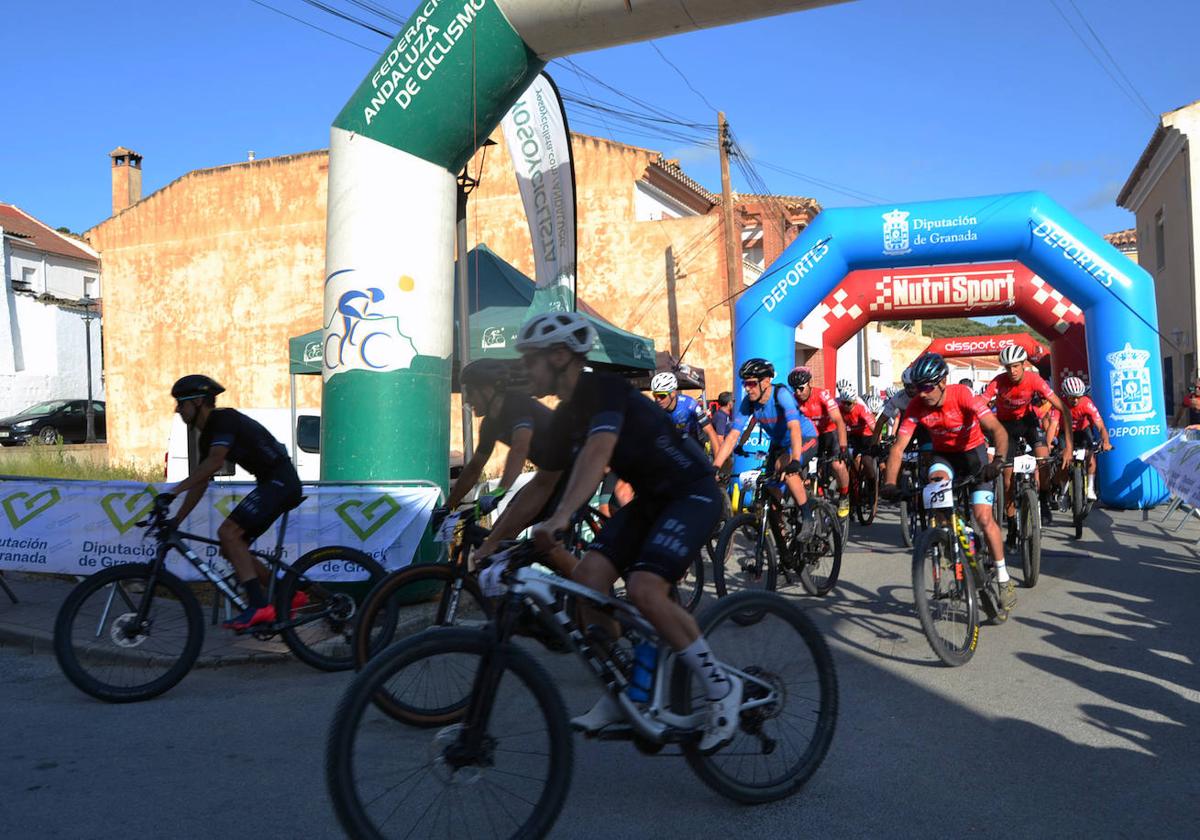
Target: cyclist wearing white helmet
point(1012, 391)
point(601, 420)
point(1085, 419)
point(688, 415)
point(860, 423)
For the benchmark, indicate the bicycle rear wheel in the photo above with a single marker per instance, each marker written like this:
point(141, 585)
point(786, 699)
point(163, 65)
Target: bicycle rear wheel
point(866, 502)
point(906, 523)
point(327, 614)
point(394, 781)
point(100, 653)
point(821, 556)
point(945, 598)
point(689, 589)
point(744, 560)
point(1031, 536)
point(778, 745)
point(1078, 502)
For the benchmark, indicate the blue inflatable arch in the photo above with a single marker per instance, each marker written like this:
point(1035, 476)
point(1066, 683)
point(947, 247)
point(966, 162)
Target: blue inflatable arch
point(1115, 294)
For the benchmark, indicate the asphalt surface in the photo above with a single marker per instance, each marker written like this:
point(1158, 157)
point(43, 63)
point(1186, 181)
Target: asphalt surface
point(1076, 718)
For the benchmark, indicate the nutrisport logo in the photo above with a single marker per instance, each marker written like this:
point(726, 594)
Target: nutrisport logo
point(959, 291)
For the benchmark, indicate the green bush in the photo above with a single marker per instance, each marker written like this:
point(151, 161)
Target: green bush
point(41, 461)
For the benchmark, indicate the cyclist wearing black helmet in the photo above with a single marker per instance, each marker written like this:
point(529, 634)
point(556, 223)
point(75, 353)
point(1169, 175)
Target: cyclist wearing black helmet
point(819, 406)
point(793, 438)
point(229, 435)
point(510, 416)
point(957, 420)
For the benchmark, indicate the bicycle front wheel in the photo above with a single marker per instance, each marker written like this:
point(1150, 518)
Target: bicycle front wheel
point(945, 598)
point(866, 502)
point(788, 671)
point(420, 597)
point(394, 781)
point(1031, 537)
point(1078, 502)
point(104, 654)
point(322, 598)
point(821, 555)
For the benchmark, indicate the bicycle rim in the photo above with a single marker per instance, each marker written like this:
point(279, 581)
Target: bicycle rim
point(944, 598)
point(779, 746)
point(394, 781)
point(744, 561)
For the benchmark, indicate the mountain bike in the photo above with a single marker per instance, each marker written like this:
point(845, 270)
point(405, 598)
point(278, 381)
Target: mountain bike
point(953, 575)
point(1073, 494)
point(502, 766)
point(754, 546)
point(132, 631)
point(1027, 514)
point(864, 487)
point(822, 484)
point(912, 514)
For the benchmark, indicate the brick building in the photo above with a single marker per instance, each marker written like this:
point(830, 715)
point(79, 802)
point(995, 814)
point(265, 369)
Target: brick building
point(216, 270)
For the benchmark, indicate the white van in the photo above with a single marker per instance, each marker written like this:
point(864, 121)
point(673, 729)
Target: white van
point(182, 453)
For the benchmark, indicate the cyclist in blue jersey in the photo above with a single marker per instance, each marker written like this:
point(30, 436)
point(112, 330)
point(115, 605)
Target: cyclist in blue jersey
point(793, 436)
point(688, 415)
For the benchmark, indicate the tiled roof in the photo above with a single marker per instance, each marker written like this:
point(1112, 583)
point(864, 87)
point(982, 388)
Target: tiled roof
point(671, 169)
point(34, 234)
point(1122, 238)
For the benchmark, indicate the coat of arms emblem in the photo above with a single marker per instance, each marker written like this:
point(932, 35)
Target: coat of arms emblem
point(1129, 384)
point(895, 232)
point(493, 338)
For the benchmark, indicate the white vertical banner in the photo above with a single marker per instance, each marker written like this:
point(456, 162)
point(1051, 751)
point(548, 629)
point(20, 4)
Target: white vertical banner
point(535, 129)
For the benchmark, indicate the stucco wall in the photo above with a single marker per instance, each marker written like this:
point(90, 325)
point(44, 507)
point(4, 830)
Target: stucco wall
point(211, 274)
point(215, 271)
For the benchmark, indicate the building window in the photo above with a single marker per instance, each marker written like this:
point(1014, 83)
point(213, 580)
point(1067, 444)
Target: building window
point(1160, 241)
point(28, 276)
point(876, 368)
point(89, 287)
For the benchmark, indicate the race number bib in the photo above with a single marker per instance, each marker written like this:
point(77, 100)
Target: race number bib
point(749, 477)
point(937, 495)
point(445, 532)
point(1079, 454)
point(1024, 464)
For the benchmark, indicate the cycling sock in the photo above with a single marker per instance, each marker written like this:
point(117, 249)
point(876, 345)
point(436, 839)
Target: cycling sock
point(698, 656)
point(844, 491)
point(254, 593)
point(1001, 571)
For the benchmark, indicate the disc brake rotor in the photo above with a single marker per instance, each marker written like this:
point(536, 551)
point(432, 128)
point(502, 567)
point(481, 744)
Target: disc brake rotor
point(118, 631)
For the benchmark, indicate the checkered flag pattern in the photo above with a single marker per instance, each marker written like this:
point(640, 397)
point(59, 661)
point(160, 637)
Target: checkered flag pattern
point(1058, 305)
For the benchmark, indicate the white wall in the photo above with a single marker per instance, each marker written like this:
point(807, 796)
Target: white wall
point(651, 204)
point(42, 346)
point(879, 349)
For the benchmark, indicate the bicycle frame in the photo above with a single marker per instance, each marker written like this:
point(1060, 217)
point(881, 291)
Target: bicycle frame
point(530, 587)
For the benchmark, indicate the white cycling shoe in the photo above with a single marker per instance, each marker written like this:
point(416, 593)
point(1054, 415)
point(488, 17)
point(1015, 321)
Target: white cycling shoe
point(723, 718)
point(604, 714)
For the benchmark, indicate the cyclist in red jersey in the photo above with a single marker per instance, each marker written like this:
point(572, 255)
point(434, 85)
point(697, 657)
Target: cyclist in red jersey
point(957, 421)
point(860, 425)
point(1085, 419)
point(821, 408)
point(1013, 393)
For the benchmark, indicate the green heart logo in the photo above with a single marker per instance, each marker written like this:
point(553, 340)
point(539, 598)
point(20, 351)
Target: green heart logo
point(21, 507)
point(365, 519)
point(227, 504)
point(124, 514)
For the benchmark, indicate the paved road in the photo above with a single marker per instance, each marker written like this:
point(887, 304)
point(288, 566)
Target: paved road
point(1080, 717)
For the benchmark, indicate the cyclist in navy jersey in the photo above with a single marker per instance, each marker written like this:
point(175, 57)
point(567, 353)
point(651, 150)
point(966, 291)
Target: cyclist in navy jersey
point(229, 435)
point(688, 415)
point(601, 420)
point(792, 435)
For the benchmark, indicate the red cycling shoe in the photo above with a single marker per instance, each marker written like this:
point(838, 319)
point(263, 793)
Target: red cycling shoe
point(251, 617)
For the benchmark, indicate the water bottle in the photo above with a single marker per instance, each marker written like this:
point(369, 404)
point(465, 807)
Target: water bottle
point(645, 660)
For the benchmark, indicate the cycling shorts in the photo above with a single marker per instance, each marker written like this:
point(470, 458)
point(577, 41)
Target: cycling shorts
point(924, 441)
point(662, 534)
point(1028, 429)
point(1083, 439)
point(858, 444)
point(964, 464)
point(270, 499)
point(827, 443)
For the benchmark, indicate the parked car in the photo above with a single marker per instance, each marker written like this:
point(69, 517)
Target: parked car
point(48, 420)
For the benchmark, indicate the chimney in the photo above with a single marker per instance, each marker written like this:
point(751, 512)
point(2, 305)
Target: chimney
point(126, 178)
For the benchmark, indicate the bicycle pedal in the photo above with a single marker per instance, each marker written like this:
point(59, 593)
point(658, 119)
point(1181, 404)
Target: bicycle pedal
point(613, 732)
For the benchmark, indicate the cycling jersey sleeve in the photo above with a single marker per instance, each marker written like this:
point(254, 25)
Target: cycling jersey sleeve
point(972, 403)
point(993, 387)
point(604, 403)
point(1092, 411)
point(785, 400)
point(1038, 385)
point(829, 402)
point(487, 436)
point(223, 429)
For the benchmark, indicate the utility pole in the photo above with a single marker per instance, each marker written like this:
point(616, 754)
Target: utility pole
point(733, 238)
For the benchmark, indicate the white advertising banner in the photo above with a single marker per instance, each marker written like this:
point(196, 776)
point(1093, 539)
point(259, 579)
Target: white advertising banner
point(1178, 460)
point(80, 527)
point(535, 129)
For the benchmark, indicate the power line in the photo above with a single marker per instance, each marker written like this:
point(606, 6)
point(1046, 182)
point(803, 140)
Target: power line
point(686, 80)
point(1134, 97)
point(1136, 92)
point(371, 50)
point(349, 18)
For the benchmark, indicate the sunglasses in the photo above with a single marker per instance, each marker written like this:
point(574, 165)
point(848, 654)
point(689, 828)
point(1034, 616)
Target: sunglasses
point(751, 383)
point(925, 389)
point(662, 395)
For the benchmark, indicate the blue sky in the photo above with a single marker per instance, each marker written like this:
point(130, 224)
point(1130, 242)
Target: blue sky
point(899, 101)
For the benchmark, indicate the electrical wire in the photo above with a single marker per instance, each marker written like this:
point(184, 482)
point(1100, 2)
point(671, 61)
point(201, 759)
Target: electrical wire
point(1130, 92)
point(371, 50)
